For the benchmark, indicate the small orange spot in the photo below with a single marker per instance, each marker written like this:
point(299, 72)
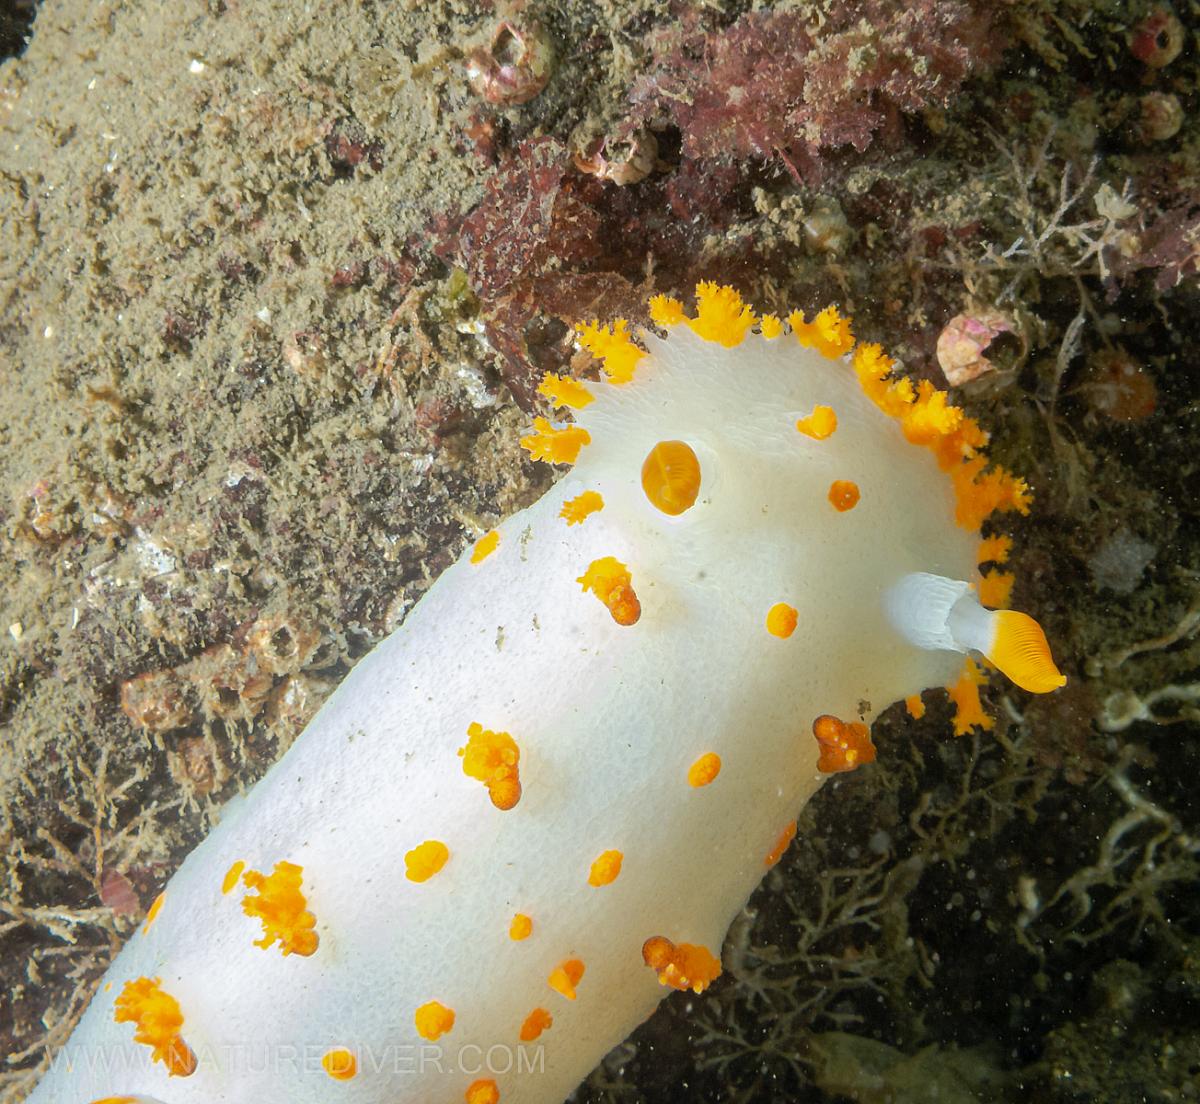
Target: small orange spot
point(154, 910)
point(425, 860)
point(281, 907)
point(485, 546)
point(820, 424)
point(492, 758)
point(682, 966)
point(915, 706)
point(781, 845)
point(606, 868)
point(520, 928)
point(433, 1020)
point(564, 978)
point(578, 509)
point(535, 1023)
point(340, 1063)
point(844, 746)
point(232, 875)
point(610, 581)
point(564, 391)
point(158, 1019)
point(671, 477)
point(483, 1091)
point(781, 620)
point(843, 494)
point(116, 1100)
point(704, 770)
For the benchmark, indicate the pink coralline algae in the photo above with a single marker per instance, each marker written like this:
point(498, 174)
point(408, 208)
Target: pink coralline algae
point(779, 84)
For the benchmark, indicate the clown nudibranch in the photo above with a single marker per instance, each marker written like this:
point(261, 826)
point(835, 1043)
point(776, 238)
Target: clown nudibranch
point(536, 807)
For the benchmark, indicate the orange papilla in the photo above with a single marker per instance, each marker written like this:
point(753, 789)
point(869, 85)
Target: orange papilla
point(281, 908)
point(158, 1019)
point(844, 746)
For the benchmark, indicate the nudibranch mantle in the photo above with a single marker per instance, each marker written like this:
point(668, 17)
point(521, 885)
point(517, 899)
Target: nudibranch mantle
point(700, 607)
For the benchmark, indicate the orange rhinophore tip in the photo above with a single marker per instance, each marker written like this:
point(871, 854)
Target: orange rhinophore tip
point(158, 1019)
point(282, 908)
point(671, 477)
point(609, 580)
point(564, 978)
point(1021, 651)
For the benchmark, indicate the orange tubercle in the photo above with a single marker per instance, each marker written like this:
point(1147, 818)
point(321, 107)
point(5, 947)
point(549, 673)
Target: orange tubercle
point(493, 759)
point(483, 1091)
point(968, 709)
point(578, 509)
point(781, 844)
point(232, 876)
point(681, 966)
point(995, 588)
point(520, 928)
point(535, 1023)
point(844, 495)
point(610, 581)
point(666, 311)
point(433, 1020)
point(722, 316)
point(564, 391)
point(555, 444)
point(994, 550)
point(781, 620)
point(613, 347)
point(282, 908)
point(425, 860)
point(704, 770)
point(566, 976)
point(340, 1063)
point(915, 706)
point(820, 425)
point(845, 746)
point(154, 910)
point(828, 333)
point(606, 868)
point(158, 1020)
point(485, 546)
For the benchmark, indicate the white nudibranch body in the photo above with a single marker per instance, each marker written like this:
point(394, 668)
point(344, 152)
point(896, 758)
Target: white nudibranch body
point(536, 807)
